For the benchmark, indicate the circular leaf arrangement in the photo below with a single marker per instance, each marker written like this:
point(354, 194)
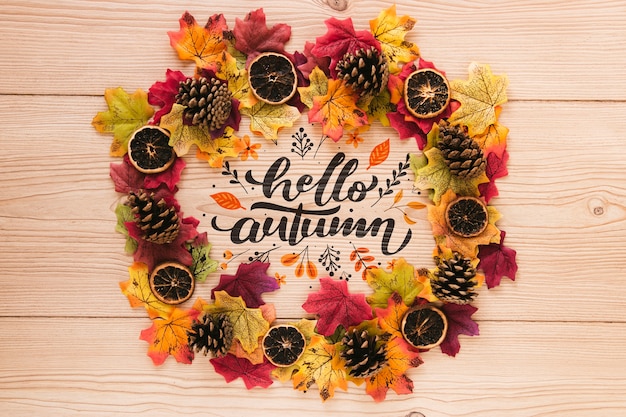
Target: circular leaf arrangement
point(347, 79)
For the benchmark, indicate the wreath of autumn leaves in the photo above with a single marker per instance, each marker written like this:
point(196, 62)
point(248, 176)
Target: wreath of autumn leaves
point(220, 52)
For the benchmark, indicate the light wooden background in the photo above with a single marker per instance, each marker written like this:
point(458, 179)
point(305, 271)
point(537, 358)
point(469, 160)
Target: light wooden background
point(552, 344)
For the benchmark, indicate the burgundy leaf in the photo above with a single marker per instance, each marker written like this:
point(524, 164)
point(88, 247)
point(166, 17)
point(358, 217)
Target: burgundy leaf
point(497, 261)
point(126, 177)
point(459, 322)
point(249, 283)
point(252, 36)
point(496, 168)
point(163, 93)
point(169, 177)
point(232, 367)
point(312, 61)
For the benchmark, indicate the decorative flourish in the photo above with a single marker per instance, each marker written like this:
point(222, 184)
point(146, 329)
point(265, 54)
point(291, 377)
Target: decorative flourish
point(233, 173)
point(330, 260)
point(361, 260)
point(302, 144)
point(396, 174)
point(303, 263)
point(415, 205)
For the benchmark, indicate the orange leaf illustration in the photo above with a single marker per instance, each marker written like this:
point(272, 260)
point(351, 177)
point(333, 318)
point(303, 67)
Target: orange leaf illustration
point(398, 197)
point(311, 270)
point(299, 270)
point(227, 201)
point(416, 205)
point(289, 259)
point(353, 256)
point(379, 154)
point(408, 220)
point(204, 45)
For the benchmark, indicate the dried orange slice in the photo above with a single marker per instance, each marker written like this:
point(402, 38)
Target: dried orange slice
point(283, 345)
point(467, 216)
point(424, 327)
point(172, 283)
point(272, 78)
point(149, 150)
point(426, 93)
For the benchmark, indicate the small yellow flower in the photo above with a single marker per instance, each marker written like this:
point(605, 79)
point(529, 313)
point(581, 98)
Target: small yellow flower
point(280, 279)
point(354, 139)
point(245, 149)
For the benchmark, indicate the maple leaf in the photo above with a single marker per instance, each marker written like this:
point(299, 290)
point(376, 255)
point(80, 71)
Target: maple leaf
point(249, 283)
point(447, 240)
point(168, 336)
point(202, 264)
point(182, 136)
point(219, 149)
point(496, 168)
point(317, 88)
point(267, 119)
point(203, 45)
point(322, 365)
point(400, 358)
point(436, 176)
point(335, 305)
point(340, 39)
point(494, 138)
point(390, 318)
point(231, 368)
point(154, 253)
point(390, 30)
point(378, 108)
point(336, 109)
point(479, 96)
point(163, 93)
point(170, 177)
point(248, 323)
point(459, 322)
point(137, 290)
point(497, 261)
point(307, 328)
point(256, 356)
point(125, 177)
point(125, 214)
point(126, 114)
point(400, 280)
point(238, 83)
point(252, 36)
point(307, 67)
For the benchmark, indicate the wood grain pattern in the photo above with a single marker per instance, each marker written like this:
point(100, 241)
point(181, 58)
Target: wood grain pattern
point(551, 344)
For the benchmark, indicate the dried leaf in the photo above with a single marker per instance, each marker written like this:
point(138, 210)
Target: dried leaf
point(168, 336)
point(497, 261)
point(126, 114)
point(459, 322)
point(289, 259)
point(250, 281)
point(479, 96)
point(336, 306)
point(379, 154)
point(401, 280)
point(203, 45)
point(307, 67)
point(322, 365)
point(390, 30)
point(125, 177)
point(252, 36)
point(493, 140)
point(227, 200)
point(137, 290)
point(231, 368)
point(267, 119)
point(182, 136)
point(170, 177)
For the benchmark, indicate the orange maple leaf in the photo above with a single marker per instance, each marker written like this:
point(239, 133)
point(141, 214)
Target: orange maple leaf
point(204, 45)
point(168, 336)
point(336, 110)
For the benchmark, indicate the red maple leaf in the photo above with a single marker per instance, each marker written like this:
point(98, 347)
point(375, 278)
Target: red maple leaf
point(169, 177)
point(497, 261)
point(249, 283)
point(496, 168)
point(335, 305)
point(126, 177)
point(232, 367)
point(252, 36)
point(311, 61)
point(340, 39)
point(459, 322)
point(152, 253)
point(163, 93)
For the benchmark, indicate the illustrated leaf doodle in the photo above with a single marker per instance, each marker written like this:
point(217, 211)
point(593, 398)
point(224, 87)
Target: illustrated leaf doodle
point(479, 97)
point(126, 114)
point(250, 281)
point(227, 200)
point(231, 368)
point(379, 154)
point(267, 119)
point(401, 280)
point(336, 110)
point(322, 365)
point(137, 290)
point(390, 30)
point(203, 45)
point(168, 336)
point(336, 306)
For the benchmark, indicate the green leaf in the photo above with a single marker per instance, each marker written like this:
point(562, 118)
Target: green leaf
point(124, 214)
point(202, 264)
point(400, 280)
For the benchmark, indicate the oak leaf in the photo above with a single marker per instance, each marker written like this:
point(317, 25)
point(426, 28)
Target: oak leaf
point(203, 45)
point(267, 119)
point(227, 200)
point(479, 96)
point(497, 261)
point(336, 306)
point(250, 281)
point(459, 322)
point(379, 154)
point(322, 365)
point(336, 110)
point(137, 290)
point(248, 323)
point(202, 264)
point(400, 280)
point(252, 36)
point(390, 29)
point(168, 336)
point(232, 367)
point(126, 114)
point(496, 168)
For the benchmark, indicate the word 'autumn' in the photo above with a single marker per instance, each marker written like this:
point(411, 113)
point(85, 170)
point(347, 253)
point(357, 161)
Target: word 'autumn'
point(294, 224)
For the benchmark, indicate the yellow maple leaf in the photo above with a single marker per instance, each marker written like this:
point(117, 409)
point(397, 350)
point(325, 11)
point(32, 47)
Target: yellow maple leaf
point(267, 119)
point(390, 30)
point(203, 44)
point(139, 294)
point(126, 114)
point(307, 327)
point(238, 83)
point(322, 365)
point(337, 110)
point(317, 88)
point(494, 138)
point(168, 336)
point(216, 150)
point(248, 323)
point(183, 136)
point(256, 356)
point(479, 96)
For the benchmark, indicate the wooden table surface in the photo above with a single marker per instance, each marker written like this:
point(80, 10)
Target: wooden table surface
point(552, 343)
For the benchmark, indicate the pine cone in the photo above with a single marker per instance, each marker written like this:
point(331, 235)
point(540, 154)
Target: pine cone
point(366, 71)
point(207, 101)
point(364, 356)
point(158, 221)
point(461, 153)
point(212, 333)
point(454, 280)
